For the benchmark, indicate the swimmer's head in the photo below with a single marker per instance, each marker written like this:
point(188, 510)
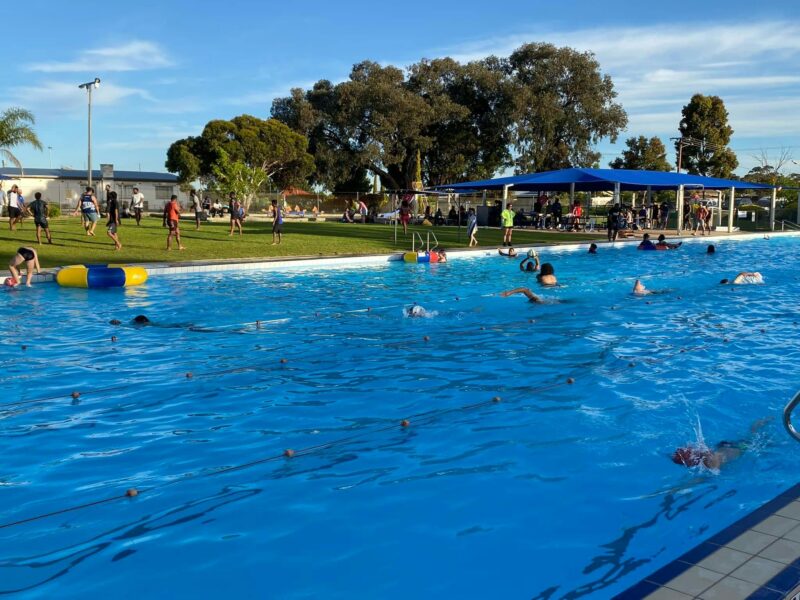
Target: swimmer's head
point(512, 252)
point(546, 269)
point(724, 281)
point(711, 249)
point(115, 322)
point(141, 320)
point(661, 238)
point(688, 456)
point(645, 237)
point(530, 267)
point(593, 249)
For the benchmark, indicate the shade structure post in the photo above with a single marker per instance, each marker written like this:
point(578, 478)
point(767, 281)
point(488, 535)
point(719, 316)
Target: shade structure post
point(719, 209)
point(731, 209)
point(617, 192)
point(773, 200)
point(572, 194)
point(505, 196)
point(484, 197)
point(679, 202)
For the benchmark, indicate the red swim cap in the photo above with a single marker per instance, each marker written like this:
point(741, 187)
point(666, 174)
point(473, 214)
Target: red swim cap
point(688, 457)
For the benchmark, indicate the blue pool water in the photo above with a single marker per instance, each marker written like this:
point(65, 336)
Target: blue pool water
point(559, 491)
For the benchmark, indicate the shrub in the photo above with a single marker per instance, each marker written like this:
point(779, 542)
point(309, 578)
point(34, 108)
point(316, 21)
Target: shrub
point(53, 210)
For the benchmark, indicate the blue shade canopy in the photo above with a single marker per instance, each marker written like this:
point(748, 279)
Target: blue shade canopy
point(597, 180)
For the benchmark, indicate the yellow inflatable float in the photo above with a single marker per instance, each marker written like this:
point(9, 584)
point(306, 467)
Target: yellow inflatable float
point(101, 276)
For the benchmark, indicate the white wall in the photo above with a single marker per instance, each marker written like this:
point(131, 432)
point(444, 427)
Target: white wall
point(65, 192)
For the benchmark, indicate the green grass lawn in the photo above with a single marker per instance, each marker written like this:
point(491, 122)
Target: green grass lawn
point(147, 243)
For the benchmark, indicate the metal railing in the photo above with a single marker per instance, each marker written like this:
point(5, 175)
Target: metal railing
point(790, 225)
point(787, 417)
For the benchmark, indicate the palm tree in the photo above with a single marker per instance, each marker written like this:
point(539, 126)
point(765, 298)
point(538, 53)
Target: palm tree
point(16, 129)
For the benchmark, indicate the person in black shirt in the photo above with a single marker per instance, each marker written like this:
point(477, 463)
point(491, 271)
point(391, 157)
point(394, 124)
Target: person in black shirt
point(558, 211)
point(38, 209)
point(614, 215)
point(112, 206)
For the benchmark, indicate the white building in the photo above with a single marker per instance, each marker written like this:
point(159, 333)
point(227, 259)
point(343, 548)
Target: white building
point(64, 186)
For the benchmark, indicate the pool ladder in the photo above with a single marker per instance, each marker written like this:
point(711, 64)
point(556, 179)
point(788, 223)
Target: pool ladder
point(422, 244)
point(787, 416)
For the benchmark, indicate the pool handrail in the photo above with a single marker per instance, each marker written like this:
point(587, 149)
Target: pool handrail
point(787, 416)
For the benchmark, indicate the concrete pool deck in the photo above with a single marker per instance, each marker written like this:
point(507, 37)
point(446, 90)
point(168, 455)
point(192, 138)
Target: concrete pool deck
point(757, 557)
point(344, 261)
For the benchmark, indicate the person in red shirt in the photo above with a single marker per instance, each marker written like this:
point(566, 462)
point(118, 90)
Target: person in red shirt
point(576, 214)
point(172, 216)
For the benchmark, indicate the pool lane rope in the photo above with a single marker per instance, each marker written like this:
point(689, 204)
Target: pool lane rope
point(292, 453)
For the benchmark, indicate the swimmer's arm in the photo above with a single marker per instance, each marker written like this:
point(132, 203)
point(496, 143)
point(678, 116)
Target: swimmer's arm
point(528, 294)
point(522, 264)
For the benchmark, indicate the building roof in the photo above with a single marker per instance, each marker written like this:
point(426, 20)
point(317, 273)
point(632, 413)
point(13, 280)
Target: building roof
point(97, 175)
point(595, 180)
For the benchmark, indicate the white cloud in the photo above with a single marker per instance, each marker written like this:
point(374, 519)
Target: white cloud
point(132, 56)
point(60, 97)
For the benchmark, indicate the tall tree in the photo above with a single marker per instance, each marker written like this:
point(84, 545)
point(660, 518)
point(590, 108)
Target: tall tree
point(564, 105)
point(267, 145)
point(16, 129)
point(643, 154)
point(706, 134)
point(237, 177)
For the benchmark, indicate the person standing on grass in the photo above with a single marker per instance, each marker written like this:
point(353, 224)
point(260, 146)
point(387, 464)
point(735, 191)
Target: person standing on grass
point(237, 213)
point(38, 209)
point(197, 207)
point(14, 213)
point(404, 214)
point(472, 227)
point(507, 221)
point(88, 207)
point(277, 223)
point(137, 204)
point(112, 207)
point(3, 198)
point(172, 215)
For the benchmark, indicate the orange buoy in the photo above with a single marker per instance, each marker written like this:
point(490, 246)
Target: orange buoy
point(288, 453)
point(404, 423)
point(132, 493)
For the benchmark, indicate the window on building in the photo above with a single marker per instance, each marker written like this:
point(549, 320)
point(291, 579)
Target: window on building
point(163, 192)
point(126, 191)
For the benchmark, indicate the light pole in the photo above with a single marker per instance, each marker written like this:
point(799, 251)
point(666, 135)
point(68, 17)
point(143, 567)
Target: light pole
point(50, 151)
point(88, 86)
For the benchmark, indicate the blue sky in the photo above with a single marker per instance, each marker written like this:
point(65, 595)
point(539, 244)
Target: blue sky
point(168, 67)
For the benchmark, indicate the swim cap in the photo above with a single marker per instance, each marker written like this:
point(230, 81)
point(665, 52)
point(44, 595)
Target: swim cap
point(688, 457)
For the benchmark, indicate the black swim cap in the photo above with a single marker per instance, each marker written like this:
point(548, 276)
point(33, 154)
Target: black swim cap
point(140, 319)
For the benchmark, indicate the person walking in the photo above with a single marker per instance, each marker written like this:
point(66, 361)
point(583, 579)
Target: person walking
point(277, 223)
point(612, 221)
point(112, 207)
point(507, 221)
point(3, 199)
point(700, 217)
point(472, 227)
point(38, 209)
point(172, 217)
point(197, 207)
point(14, 212)
point(137, 204)
point(237, 213)
point(89, 209)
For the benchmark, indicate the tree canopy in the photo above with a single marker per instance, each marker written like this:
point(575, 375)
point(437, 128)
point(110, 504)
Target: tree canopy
point(16, 129)
point(704, 124)
point(541, 108)
point(267, 145)
point(643, 154)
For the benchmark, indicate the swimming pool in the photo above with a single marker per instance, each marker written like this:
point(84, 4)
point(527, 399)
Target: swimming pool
point(561, 490)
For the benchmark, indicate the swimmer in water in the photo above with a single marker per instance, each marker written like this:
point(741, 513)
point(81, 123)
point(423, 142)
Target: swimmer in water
point(547, 275)
point(593, 249)
point(639, 289)
point(663, 244)
point(723, 452)
point(530, 263)
point(646, 244)
point(711, 249)
point(140, 320)
point(510, 253)
point(745, 277)
point(528, 294)
point(416, 311)
point(442, 256)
